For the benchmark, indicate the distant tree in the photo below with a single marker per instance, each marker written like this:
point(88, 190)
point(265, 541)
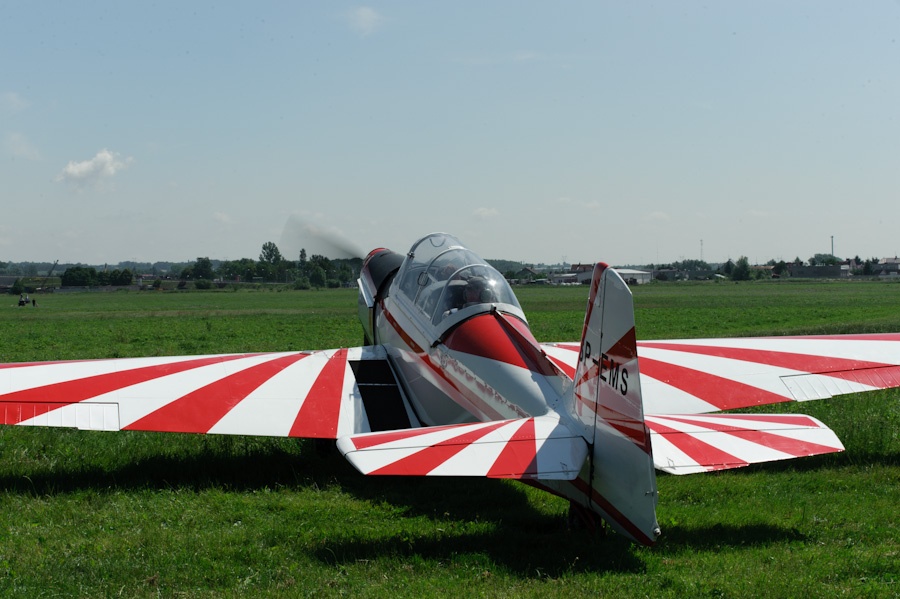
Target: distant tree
point(824, 259)
point(317, 276)
point(203, 269)
point(125, 277)
point(779, 268)
point(79, 276)
point(868, 267)
point(271, 263)
point(741, 271)
point(186, 273)
point(506, 265)
point(728, 268)
point(233, 270)
point(301, 263)
point(18, 288)
point(319, 270)
point(691, 264)
point(270, 254)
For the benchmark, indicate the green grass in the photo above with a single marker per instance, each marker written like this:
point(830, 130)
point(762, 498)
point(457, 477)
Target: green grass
point(139, 514)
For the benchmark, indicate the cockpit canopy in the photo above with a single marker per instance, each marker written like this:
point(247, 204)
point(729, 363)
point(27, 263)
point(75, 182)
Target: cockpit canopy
point(441, 277)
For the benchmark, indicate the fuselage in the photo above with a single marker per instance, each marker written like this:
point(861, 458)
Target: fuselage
point(457, 337)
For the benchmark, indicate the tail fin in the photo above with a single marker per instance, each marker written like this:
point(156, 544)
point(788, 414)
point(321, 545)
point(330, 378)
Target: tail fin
point(606, 400)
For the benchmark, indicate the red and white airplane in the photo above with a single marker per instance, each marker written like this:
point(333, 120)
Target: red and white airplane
point(453, 383)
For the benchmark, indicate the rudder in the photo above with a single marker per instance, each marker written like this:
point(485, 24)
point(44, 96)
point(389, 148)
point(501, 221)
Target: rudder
point(606, 400)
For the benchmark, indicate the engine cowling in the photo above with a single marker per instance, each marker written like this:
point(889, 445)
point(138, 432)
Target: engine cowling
point(378, 270)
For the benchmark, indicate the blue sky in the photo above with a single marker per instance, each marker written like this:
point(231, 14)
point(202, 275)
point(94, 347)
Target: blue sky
point(623, 132)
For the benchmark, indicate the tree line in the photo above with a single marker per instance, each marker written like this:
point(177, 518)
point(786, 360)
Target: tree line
point(319, 271)
point(741, 269)
point(273, 267)
point(88, 276)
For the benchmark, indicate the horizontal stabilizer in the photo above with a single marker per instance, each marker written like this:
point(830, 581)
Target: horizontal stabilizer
point(687, 444)
point(527, 448)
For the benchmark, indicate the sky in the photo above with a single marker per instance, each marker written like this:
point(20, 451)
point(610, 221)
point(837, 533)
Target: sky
point(625, 132)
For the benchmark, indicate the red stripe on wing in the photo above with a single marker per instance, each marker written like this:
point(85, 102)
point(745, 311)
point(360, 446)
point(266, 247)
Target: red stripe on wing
point(716, 422)
point(200, 410)
point(565, 367)
point(70, 392)
point(519, 457)
point(429, 458)
point(318, 417)
point(721, 392)
point(794, 361)
point(364, 441)
point(702, 453)
point(770, 439)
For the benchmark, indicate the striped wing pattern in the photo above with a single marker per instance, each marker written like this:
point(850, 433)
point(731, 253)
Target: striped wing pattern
point(687, 444)
point(695, 377)
point(526, 448)
point(707, 375)
point(291, 394)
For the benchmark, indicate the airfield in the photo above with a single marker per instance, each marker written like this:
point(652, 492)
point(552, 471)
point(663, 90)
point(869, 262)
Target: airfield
point(145, 514)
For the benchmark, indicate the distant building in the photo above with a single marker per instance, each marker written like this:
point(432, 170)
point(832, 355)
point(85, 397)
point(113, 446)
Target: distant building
point(888, 267)
point(635, 277)
point(564, 278)
point(526, 274)
point(6, 282)
point(818, 272)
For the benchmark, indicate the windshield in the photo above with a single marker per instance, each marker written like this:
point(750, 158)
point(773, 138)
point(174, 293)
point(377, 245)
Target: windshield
point(440, 277)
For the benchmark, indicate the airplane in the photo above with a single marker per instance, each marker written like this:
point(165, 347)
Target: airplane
point(452, 382)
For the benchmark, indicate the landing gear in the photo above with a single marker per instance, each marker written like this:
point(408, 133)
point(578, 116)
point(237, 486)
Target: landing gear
point(581, 518)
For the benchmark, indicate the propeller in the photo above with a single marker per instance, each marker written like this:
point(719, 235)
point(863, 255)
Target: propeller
point(330, 242)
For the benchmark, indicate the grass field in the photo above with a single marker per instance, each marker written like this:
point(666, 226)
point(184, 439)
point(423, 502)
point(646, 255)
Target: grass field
point(87, 514)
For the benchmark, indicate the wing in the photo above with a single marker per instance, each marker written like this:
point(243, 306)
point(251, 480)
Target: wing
point(333, 394)
point(697, 376)
point(527, 448)
point(322, 394)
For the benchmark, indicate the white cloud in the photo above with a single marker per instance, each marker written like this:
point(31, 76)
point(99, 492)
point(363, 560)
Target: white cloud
point(222, 217)
point(486, 213)
point(657, 216)
point(18, 146)
point(13, 102)
point(95, 171)
point(365, 20)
